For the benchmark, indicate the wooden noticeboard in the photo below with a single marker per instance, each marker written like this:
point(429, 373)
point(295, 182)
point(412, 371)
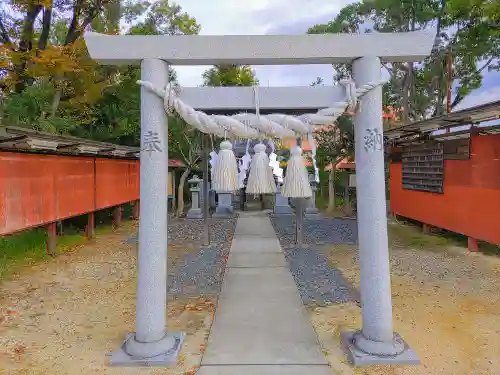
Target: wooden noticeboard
point(456, 149)
point(423, 167)
point(352, 180)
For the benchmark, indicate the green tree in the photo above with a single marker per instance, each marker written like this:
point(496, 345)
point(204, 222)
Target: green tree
point(463, 28)
point(159, 18)
point(230, 75)
point(334, 143)
point(26, 35)
point(42, 51)
point(68, 92)
point(186, 144)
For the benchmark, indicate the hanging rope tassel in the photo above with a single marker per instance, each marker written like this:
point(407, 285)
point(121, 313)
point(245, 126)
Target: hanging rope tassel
point(213, 162)
point(226, 170)
point(244, 166)
point(260, 179)
point(312, 142)
point(296, 183)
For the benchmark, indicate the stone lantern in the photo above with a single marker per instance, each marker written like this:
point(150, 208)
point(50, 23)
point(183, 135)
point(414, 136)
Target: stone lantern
point(195, 211)
point(311, 209)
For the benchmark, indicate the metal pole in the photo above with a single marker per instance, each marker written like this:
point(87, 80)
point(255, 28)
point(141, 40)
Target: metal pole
point(299, 213)
point(206, 205)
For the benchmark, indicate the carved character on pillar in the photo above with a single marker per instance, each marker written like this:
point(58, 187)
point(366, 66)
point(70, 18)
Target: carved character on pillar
point(374, 141)
point(151, 142)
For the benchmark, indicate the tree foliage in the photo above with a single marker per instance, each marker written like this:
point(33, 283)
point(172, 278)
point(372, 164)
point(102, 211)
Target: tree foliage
point(468, 29)
point(230, 75)
point(50, 83)
point(334, 142)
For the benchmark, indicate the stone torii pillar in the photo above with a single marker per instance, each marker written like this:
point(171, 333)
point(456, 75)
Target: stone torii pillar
point(375, 343)
point(151, 344)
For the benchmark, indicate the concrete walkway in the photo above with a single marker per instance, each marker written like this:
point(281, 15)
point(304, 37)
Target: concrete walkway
point(260, 326)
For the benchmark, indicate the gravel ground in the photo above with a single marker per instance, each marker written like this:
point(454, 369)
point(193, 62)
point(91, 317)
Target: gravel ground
point(200, 272)
point(317, 231)
point(181, 230)
point(62, 316)
point(317, 281)
point(445, 305)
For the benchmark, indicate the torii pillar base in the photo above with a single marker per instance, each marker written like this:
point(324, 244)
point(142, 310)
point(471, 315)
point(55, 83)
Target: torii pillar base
point(161, 353)
point(225, 206)
point(281, 206)
point(359, 356)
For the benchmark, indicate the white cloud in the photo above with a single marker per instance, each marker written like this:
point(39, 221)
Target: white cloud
point(259, 17)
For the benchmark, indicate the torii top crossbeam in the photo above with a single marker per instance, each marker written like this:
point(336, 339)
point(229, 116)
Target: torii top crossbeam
point(258, 49)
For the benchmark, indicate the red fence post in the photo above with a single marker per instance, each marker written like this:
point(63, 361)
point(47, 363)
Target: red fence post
point(90, 225)
point(472, 244)
point(426, 228)
point(117, 216)
point(52, 240)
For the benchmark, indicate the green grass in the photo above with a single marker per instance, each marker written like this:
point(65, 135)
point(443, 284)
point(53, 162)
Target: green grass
point(411, 235)
point(322, 204)
point(29, 247)
point(489, 249)
point(337, 212)
point(408, 235)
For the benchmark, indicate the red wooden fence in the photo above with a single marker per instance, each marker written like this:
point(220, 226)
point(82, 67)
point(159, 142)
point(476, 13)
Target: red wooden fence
point(470, 204)
point(38, 189)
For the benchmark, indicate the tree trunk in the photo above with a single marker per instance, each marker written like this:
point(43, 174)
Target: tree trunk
point(25, 45)
point(74, 32)
point(174, 198)
point(56, 99)
point(44, 35)
point(180, 192)
point(406, 98)
point(331, 188)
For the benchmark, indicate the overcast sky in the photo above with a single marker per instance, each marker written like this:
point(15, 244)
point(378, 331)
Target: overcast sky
point(259, 17)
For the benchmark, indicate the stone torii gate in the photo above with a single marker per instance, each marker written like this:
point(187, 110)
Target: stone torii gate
point(376, 343)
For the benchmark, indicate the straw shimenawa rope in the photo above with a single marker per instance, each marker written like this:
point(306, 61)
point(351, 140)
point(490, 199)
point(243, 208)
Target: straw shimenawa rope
point(248, 125)
point(251, 126)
